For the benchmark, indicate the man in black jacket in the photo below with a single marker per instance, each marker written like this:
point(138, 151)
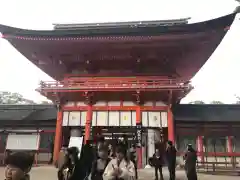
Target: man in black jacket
point(171, 159)
point(190, 159)
point(157, 161)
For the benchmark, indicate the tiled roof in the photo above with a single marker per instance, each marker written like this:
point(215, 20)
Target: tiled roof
point(28, 112)
point(182, 112)
point(207, 112)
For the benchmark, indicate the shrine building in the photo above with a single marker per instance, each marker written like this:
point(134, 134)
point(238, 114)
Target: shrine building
point(121, 78)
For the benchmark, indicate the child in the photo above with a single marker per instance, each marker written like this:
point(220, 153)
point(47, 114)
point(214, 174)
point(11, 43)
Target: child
point(18, 165)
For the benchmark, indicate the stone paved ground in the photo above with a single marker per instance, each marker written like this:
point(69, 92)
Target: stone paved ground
point(49, 173)
point(148, 174)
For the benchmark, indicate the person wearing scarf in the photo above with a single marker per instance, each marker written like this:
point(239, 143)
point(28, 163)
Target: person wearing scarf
point(120, 168)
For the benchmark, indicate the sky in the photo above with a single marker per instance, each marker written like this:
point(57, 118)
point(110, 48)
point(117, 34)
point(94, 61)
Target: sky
point(217, 80)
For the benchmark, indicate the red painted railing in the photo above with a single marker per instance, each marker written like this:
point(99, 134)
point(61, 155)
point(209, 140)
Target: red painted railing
point(108, 84)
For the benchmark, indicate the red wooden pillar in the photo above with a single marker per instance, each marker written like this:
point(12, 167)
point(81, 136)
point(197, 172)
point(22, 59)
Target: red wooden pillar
point(171, 134)
point(230, 147)
point(58, 135)
point(139, 138)
point(88, 123)
point(200, 147)
point(229, 144)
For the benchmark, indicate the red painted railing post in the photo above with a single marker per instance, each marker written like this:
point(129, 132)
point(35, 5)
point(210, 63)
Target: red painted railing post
point(230, 147)
point(200, 147)
point(58, 135)
point(88, 123)
point(171, 134)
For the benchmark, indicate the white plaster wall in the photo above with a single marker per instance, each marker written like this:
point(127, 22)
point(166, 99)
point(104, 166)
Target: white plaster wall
point(113, 103)
point(160, 103)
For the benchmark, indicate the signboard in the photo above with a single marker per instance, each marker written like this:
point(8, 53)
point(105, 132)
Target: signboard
point(23, 142)
point(125, 118)
point(139, 135)
point(76, 142)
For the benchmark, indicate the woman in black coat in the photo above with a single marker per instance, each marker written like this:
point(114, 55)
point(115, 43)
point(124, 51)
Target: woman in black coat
point(83, 164)
point(190, 159)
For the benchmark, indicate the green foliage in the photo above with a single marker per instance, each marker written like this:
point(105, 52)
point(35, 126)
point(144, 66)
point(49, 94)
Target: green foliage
point(13, 98)
point(46, 102)
point(197, 102)
point(238, 100)
point(216, 102)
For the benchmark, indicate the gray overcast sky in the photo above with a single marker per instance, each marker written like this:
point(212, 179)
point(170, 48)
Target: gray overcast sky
point(217, 80)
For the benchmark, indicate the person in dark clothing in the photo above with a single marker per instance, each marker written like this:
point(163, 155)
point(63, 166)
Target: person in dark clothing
point(111, 151)
point(83, 164)
point(133, 158)
point(99, 165)
point(100, 141)
point(125, 142)
point(18, 165)
point(51, 149)
point(71, 163)
point(88, 158)
point(157, 162)
point(190, 159)
point(171, 159)
point(63, 163)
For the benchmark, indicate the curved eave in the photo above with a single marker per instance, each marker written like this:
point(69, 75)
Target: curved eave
point(202, 38)
point(119, 30)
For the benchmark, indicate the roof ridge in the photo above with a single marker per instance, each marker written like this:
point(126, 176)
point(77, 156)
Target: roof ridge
point(61, 26)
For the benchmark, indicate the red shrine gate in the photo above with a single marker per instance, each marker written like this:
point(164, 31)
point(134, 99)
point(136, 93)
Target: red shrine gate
point(124, 74)
point(115, 102)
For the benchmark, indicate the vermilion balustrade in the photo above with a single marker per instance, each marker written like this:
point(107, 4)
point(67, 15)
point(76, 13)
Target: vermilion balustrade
point(130, 83)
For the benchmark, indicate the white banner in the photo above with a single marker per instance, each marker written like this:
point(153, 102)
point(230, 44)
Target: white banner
point(76, 142)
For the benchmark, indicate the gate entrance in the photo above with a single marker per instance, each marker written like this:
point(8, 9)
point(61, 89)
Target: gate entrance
point(151, 138)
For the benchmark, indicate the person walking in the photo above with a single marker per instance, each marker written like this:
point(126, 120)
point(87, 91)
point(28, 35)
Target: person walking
point(157, 161)
point(171, 159)
point(133, 157)
point(190, 159)
point(51, 150)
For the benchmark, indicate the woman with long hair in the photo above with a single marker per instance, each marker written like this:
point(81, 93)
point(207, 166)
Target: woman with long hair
point(120, 168)
point(100, 163)
point(83, 164)
point(67, 170)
